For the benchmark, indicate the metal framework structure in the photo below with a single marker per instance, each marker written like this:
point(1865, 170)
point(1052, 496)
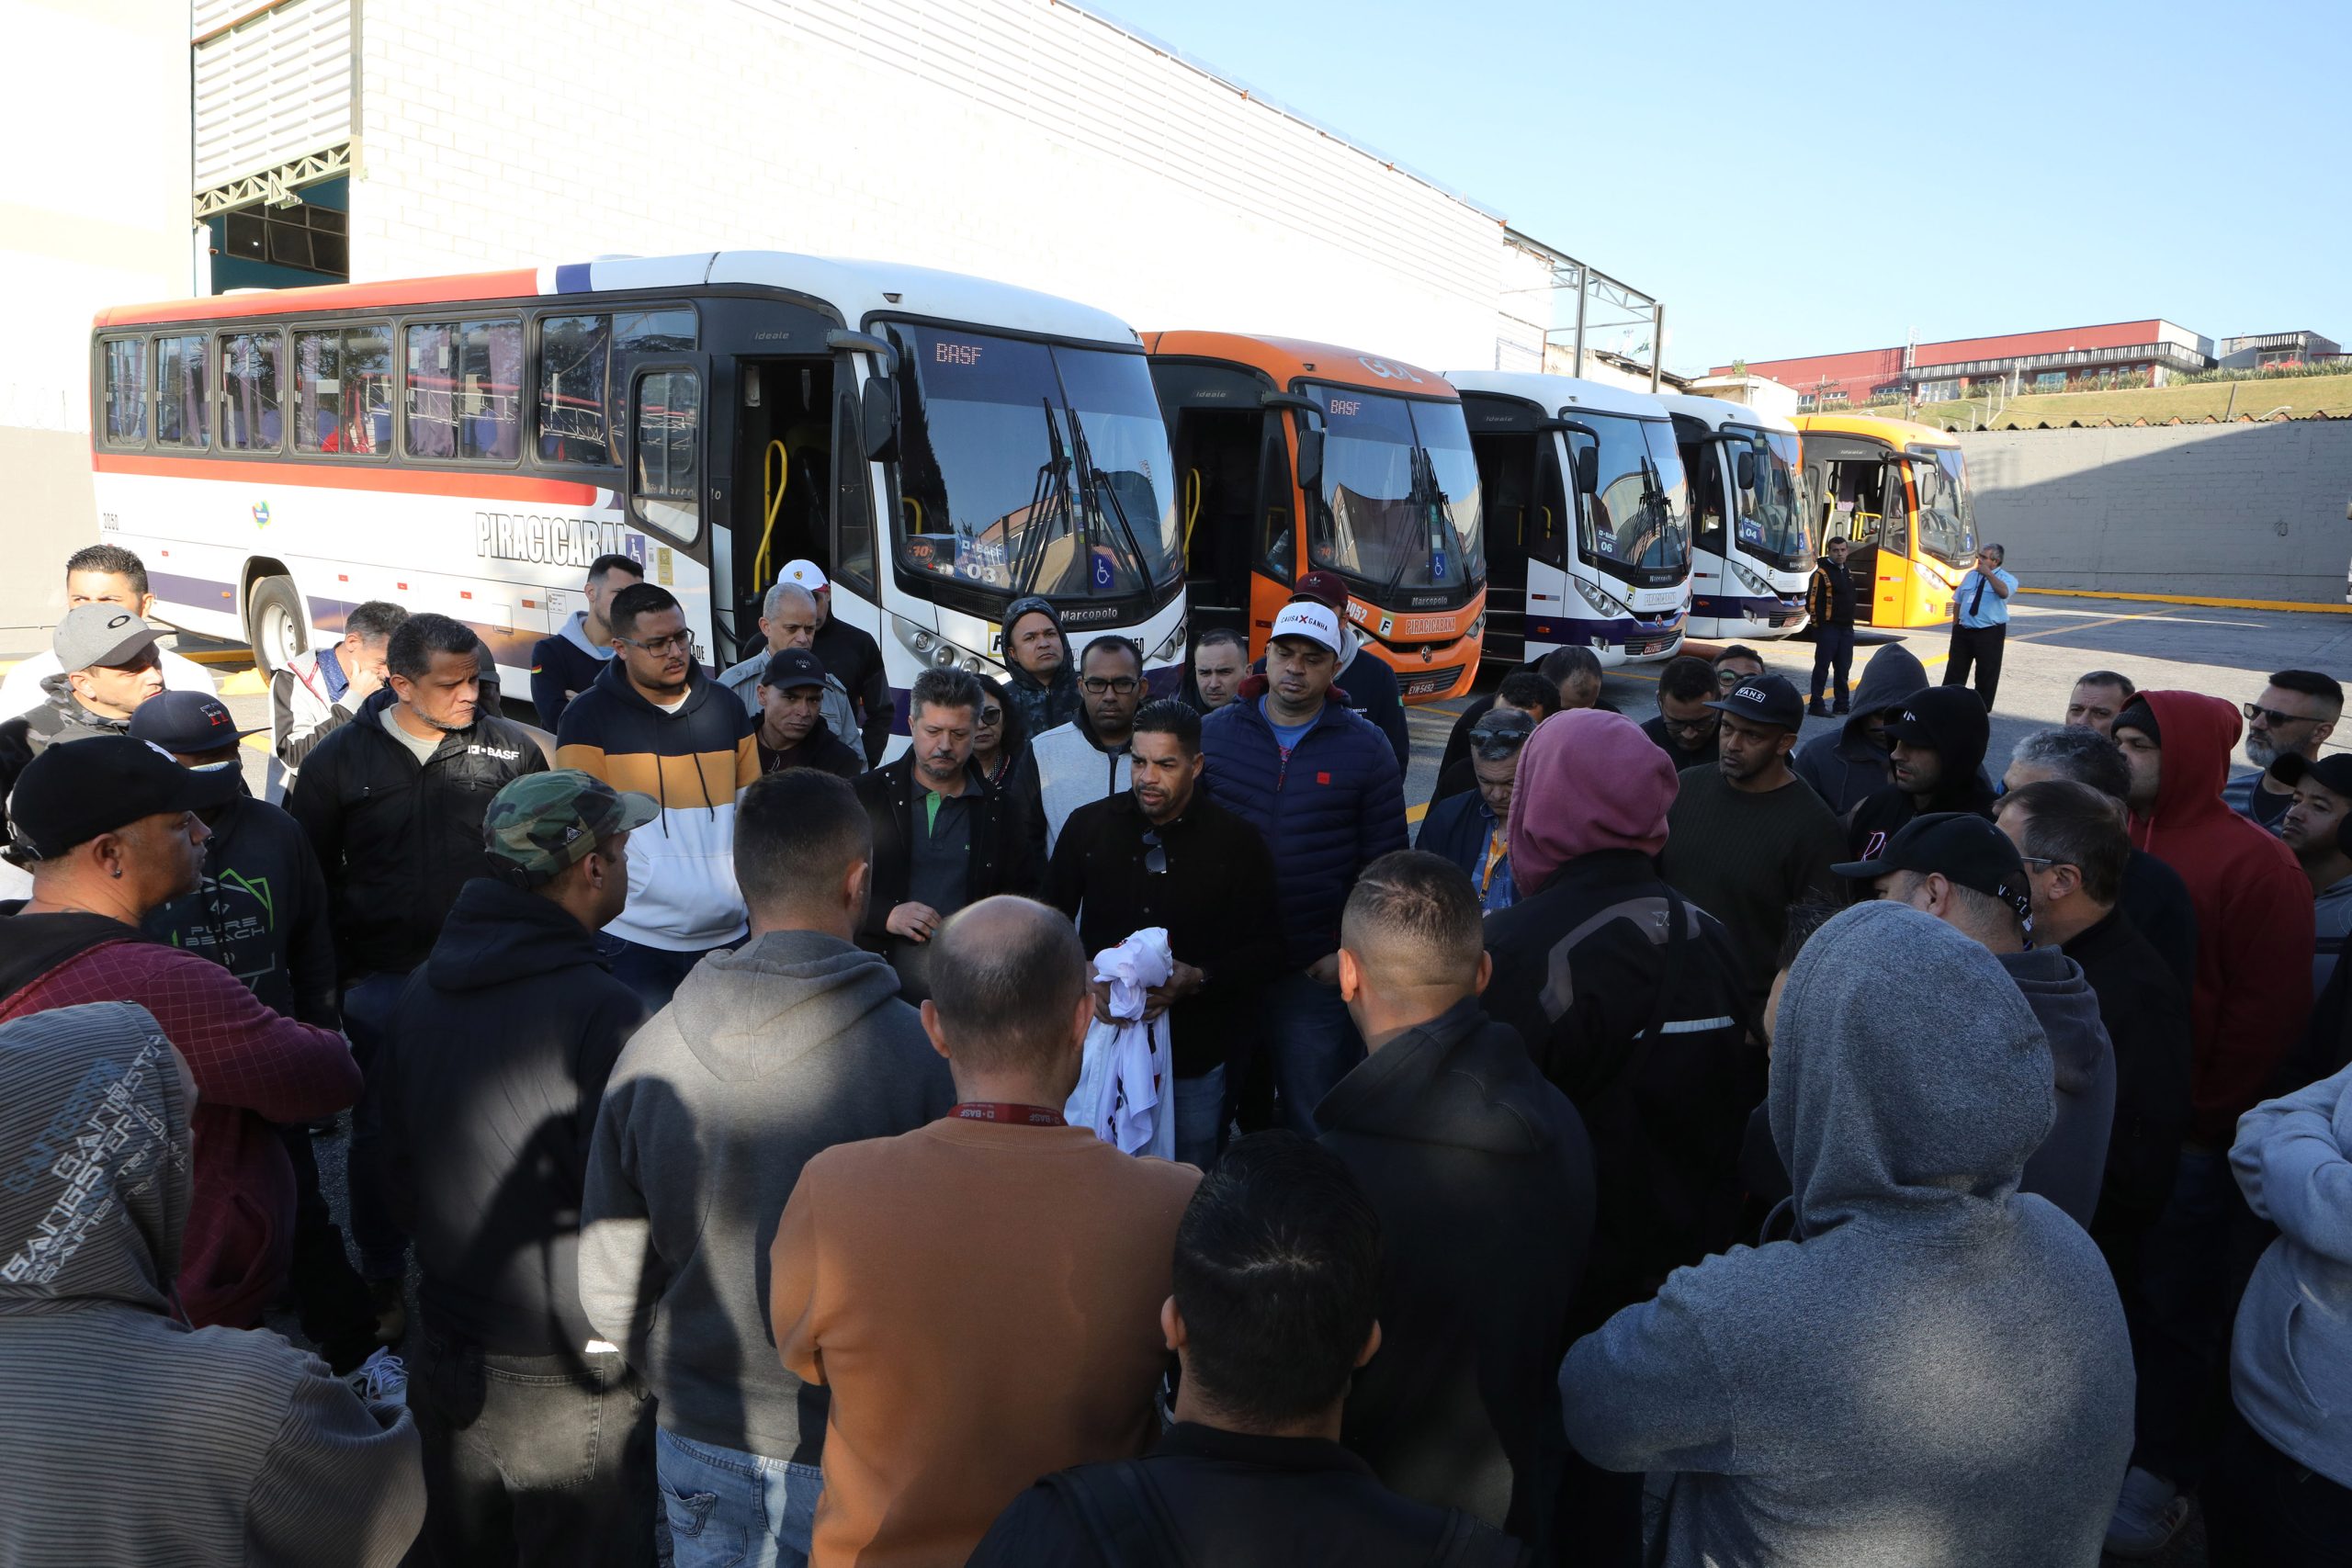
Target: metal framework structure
point(1602, 303)
point(277, 186)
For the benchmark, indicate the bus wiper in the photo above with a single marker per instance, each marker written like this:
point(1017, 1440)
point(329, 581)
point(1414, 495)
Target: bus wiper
point(1424, 491)
point(1096, 485)
point(1052, 486)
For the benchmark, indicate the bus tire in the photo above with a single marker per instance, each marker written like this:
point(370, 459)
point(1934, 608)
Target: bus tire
point(275, 625)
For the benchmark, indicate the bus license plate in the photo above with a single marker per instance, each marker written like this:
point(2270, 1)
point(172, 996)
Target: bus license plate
point(1429, 685)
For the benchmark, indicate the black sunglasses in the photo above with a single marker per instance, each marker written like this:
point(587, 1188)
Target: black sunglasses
point(1155, 857)
point(1096, 684)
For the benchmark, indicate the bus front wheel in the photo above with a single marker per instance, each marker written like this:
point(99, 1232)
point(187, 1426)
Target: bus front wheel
point(275, 624)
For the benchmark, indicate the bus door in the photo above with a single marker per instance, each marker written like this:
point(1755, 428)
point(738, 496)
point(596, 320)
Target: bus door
point(666, 491)
point(1526, 508)
point(1234, 491)
point(1863, 500)
point(783, 478)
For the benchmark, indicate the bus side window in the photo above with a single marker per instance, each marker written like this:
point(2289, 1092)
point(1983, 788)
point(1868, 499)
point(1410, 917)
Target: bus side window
point(1894, 533)
point(665, 491)
point(575, 359)
point(465, 387)
point(854, 549)
point(179, 393)
point(251, 416)
point(1276, 545)
point(1548, 518)
point(126, 391)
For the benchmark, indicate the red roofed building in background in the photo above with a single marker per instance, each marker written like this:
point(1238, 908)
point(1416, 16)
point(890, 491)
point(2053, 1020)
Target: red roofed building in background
point(2068, 359)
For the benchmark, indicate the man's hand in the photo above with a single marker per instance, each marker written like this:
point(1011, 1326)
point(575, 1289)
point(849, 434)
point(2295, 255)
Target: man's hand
point(1101, 990)
point(366, 681)
point(1325, 971)
point(1184, 981)
point(914, 922)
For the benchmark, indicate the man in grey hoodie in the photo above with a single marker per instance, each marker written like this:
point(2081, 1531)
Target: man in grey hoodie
point(130, 1437)
point(1929, 1368)
point(1969, 875)
point(793, 1042)
point(1851, 761)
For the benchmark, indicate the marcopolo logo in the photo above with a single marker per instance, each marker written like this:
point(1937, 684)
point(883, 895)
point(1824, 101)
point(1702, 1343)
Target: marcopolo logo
point(557, 541)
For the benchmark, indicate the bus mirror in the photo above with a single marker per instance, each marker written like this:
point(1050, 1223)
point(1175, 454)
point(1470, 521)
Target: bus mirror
point(1310, 461)
point(1746, 469)
point(1588, 470)
point(881, 414)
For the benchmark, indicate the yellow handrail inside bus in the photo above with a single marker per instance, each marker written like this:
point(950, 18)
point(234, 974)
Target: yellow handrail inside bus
point(775, 472)
point(910, 500)
point(1192, 507)
point(1547, 521)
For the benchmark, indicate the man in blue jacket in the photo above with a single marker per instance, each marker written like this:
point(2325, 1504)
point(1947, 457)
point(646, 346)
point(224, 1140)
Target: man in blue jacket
point(1468, 827)
point(1321, 784)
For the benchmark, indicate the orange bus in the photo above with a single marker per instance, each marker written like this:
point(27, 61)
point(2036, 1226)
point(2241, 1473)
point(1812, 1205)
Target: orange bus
point(1373, 454)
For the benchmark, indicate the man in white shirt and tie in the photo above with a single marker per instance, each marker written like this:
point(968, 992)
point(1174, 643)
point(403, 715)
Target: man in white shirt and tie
point(1980, 624)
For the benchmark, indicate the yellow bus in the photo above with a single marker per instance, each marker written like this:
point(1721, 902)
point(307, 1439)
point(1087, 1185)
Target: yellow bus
point(1899, 491)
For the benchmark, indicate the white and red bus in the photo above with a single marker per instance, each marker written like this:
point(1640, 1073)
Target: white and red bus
point(940, 445)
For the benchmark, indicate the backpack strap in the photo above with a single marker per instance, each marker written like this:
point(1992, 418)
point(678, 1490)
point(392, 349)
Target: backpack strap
point(1122, 1513)
point(1467, 1543)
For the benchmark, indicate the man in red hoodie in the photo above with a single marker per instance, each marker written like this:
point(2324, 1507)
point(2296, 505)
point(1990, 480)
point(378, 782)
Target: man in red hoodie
point(2249, 998)
point(112, 827)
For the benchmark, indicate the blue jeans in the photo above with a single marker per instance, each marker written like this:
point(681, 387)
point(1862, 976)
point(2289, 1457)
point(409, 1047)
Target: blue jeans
point(366, 1022)
point(1313, 1044)
point(1200, 1117)
point(653, 973)
point(725, 1506)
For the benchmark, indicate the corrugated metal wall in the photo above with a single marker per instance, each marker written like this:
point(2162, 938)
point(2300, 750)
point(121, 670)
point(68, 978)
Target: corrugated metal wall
point(271, 88)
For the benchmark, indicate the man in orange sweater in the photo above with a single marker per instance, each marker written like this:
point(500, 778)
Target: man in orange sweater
point(981, 1295)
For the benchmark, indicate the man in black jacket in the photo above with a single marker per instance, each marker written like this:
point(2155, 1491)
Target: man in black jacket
point(393, 804)
point(1938, 760)
point(851, 656)
point(261, 914)
point(1277, 1280)
point(1688, 727)
point(1480, 1171)
point(1829, 601)
point(1163, 853)
point(538, 1442)
point(943, 838)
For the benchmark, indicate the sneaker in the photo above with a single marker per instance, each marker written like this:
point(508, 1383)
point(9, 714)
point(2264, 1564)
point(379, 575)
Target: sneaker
point(382, 1379)
point(1818, 708)
point(2147, 1516)
point(391, 1310)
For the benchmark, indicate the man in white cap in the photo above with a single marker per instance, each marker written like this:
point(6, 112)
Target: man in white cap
point(1321, 783)
point(849, 655)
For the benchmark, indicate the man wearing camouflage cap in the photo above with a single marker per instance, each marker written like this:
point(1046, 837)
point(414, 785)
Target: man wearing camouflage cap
point(496, 1061)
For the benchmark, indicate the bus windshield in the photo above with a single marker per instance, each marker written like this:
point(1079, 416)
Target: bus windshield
point(1637, 522)
point(1772, 524)
point(993, 494)
point(1401, 506)
point(1946, 531)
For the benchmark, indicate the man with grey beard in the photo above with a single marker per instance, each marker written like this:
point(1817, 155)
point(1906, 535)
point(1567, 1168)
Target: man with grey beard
point(2295, 716)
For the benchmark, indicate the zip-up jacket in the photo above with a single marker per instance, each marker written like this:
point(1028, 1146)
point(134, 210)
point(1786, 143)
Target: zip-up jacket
point(395, 838)
point(1334, 805)
point(1069, 767)
point(839, 715)
point(1042, 706)
point(1008, 853)
point(562, 666)
point(309, 699)
point(1829, 597)
point(261, 912)
point(2255, 923)
point(694, 761)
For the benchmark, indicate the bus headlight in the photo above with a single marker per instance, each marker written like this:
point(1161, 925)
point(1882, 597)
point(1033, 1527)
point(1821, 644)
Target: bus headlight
point(1603, 600)
point(930, 648)
point(1753, 583)
point(1170, 647)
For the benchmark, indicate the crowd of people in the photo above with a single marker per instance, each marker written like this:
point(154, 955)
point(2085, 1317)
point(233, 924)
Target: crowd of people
point(1699, 1145)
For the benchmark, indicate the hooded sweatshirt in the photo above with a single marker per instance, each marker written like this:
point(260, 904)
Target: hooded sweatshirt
point(1959, 730)
point(59, 716)
point(793, 1042)
point(1932, 1371)
point(2070, 1166)
point(500, 1044)
point(2255, 924)
point(562, 665)
point(1845, 765)
point(1043, 705)
point(1482, 1177)
point(253, 1451)
point(2290, 1357)
point(694, 760)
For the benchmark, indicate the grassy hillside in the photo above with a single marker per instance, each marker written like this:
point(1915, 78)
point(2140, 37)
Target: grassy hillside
point(2298, 396)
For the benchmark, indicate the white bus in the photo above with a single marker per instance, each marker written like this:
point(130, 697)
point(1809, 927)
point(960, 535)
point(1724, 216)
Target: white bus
point(940, 445)
point(1588, 517)
point(1751, 551)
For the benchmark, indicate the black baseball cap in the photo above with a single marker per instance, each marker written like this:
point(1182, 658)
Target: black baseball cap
point(1941, 718)
point(2333, 771)
point(1961, 847)
point(78, 789)
point(187, 723)
point(1766, 699)
point(793, 666)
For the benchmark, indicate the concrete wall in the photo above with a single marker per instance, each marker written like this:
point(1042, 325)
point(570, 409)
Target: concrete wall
point(94, 211)
point(2233, 510)
point(1020, 140)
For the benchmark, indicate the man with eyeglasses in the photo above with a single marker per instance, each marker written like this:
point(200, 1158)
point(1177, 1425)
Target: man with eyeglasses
point(1980, 624)
point(1164, 854)
point(1469, 828)
point(2296, 713)
point(654, 723)
point(1686, 729)
point(1086, 759)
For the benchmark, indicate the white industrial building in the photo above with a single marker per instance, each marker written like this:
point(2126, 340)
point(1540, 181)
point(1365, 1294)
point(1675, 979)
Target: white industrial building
point(1028, 140)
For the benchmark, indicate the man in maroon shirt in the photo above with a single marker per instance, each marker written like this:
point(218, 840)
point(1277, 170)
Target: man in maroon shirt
point(110, 828)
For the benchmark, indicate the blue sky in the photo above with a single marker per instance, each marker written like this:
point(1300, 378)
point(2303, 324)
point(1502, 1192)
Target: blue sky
point(1816, 177)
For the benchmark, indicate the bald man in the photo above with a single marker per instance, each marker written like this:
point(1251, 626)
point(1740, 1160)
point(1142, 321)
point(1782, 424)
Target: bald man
point(1481, 1173)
